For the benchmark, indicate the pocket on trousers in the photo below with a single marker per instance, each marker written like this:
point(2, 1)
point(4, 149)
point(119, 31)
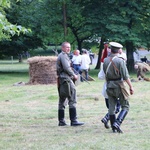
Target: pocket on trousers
point(64, 89)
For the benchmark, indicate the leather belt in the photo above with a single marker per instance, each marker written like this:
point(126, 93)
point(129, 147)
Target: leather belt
point(76, 64)
point(114, 79)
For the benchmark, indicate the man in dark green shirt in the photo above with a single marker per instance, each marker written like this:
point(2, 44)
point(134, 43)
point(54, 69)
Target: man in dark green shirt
point(66, 87)
point(116, 75)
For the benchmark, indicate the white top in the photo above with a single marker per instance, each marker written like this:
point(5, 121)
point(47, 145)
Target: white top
point(85, 61)
point(101, 76)
point(123, 55)
point(76, 59)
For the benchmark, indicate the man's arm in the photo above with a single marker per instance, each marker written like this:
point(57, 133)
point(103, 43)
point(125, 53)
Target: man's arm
point(130, 86)
point(67, 67)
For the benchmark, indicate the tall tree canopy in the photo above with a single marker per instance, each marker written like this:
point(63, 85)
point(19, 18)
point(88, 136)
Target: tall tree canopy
point(8, 29)
point(77, 21)
point(126, 22)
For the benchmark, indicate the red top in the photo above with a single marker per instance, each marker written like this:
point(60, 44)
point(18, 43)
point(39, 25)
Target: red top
point(104, 53)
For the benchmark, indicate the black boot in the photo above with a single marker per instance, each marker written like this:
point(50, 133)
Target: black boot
point(117, 107)
point(119, 120)
point(112, 120)
point(61, 114)
point(105, 121)
point(73, 117)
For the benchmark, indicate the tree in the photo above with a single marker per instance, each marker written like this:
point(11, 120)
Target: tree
point(125, 22)
point(39, 16)
point(8, 29)
point(128, 26)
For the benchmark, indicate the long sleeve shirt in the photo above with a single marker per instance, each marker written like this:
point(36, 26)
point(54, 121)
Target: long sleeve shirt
point(63, 66)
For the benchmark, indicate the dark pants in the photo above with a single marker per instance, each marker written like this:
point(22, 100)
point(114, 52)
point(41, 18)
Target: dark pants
point(117, 105)
point(71, 100)
point(76, 67)
point(86, 74)
point(112, 95)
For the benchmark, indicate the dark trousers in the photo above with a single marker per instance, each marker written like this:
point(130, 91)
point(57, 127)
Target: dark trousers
point(76, 67)
point(117, 105)
point(86, 74)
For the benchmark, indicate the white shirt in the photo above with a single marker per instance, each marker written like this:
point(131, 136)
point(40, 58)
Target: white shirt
point(76, 59)
point(101, 76)
point(85, 61)
point(123, 55)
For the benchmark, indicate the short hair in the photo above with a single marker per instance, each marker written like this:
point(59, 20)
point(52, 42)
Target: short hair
point(64, 43)
point(84, 51)
point(114, 50)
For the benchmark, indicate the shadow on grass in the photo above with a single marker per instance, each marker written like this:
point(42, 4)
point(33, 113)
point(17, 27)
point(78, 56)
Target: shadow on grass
point(14, 73)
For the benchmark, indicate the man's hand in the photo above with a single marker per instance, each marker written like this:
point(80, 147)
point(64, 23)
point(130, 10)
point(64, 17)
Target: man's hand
point(131, 91)
point(75, 77)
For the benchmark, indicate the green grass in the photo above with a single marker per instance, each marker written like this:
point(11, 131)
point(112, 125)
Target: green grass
point(28, 116)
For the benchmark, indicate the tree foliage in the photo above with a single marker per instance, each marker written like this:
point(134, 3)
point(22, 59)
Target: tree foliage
point(77, 21)
point(125, 22)
point(8, 29)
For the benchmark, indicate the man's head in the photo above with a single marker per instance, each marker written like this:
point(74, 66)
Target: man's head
point(114, 46)
point(136, 66)
point(66, 47)
point(120, 51)
point(84, 51)
point(77, 52)
point(106, 45)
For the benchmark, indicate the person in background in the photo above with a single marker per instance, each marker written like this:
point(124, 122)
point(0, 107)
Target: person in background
point(76, 61)
point(105, 52)
point(66, 87)
point(116, 75)
point(144, 59)
point(101, 75)
point(142, 68)
point(122, 55)
point(85, 62)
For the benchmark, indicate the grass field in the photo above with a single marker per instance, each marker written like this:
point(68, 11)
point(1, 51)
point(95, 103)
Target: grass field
point(28, 116)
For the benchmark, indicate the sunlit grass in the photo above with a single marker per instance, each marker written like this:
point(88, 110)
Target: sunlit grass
point(28, 116)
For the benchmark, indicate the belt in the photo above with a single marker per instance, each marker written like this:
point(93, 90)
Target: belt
point(114, 79)
point(76, 64)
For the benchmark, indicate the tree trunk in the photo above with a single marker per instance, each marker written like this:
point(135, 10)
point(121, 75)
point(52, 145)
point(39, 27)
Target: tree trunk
point(20, 58)
point(64, 20)
point(100, 53)
point(130, 58)
point(79, 45)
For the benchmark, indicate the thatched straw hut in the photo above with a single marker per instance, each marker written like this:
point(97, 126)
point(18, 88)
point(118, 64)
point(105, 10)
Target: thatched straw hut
point(42, 70)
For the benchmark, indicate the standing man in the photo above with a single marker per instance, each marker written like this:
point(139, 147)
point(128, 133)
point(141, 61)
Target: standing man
point(85, 64)
point(116, 73)
point(66, 87)
point(76, 61)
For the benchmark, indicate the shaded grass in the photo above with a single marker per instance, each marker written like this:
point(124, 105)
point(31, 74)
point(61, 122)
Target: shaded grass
point(28, 117)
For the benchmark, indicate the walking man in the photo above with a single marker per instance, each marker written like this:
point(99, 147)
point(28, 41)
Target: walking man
point(116, 75)
point(101, 75)
point(66, 87)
